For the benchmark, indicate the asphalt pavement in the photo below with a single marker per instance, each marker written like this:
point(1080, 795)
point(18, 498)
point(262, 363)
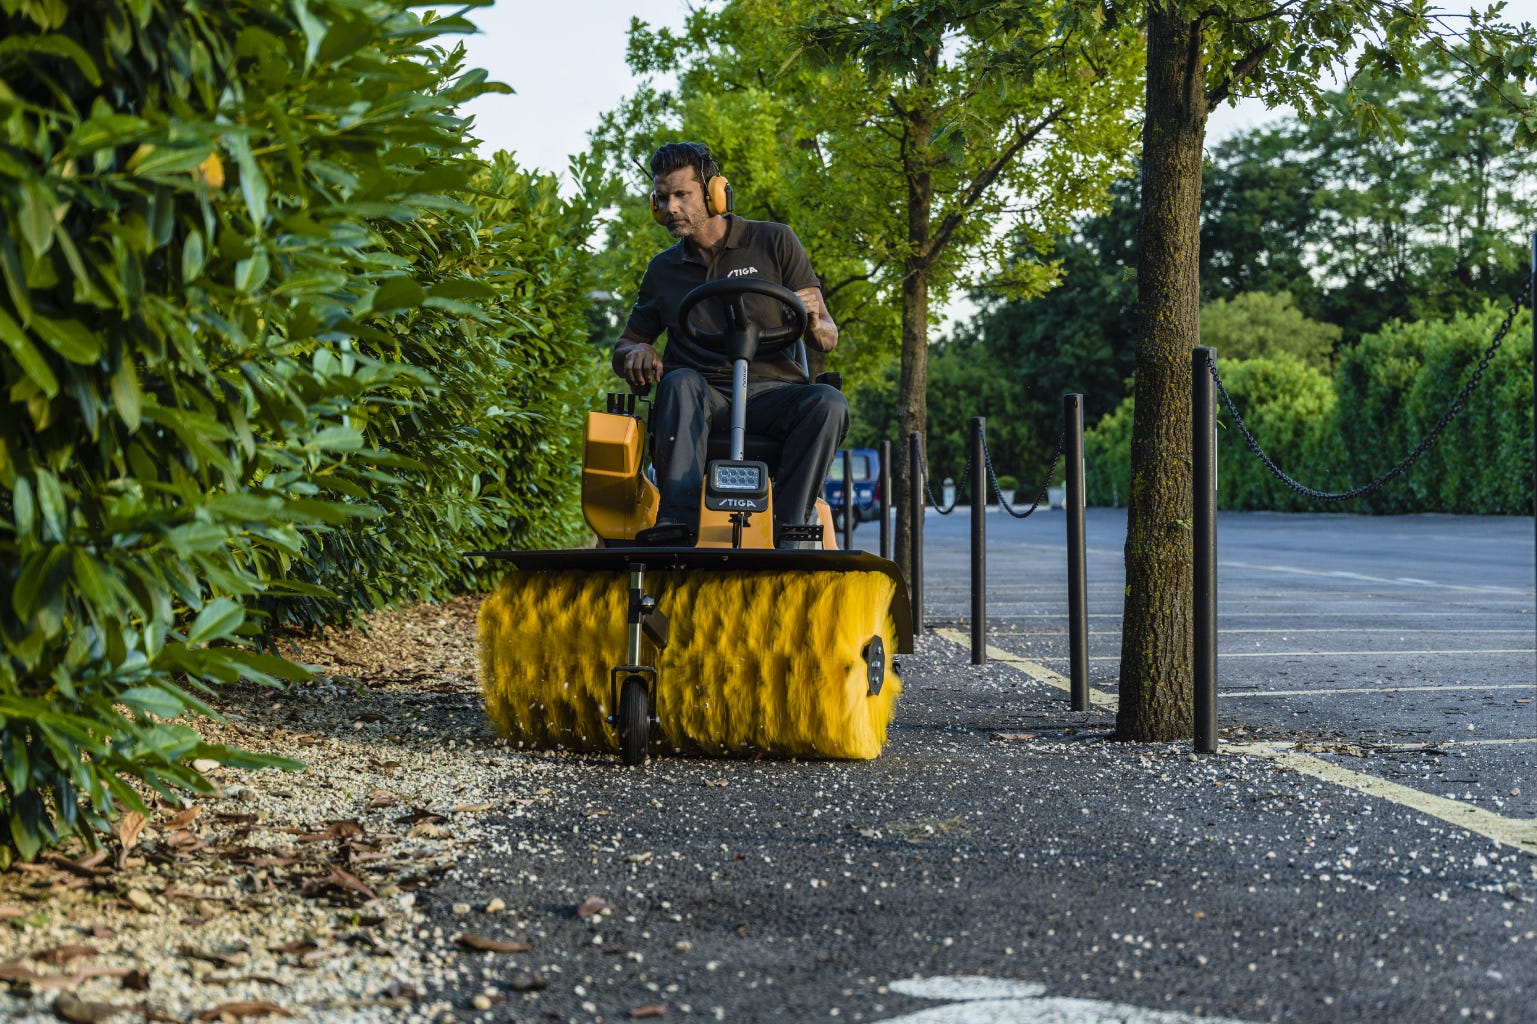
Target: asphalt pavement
point(1363, 847)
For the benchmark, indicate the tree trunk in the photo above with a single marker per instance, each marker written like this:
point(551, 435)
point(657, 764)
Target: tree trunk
point(912, 396)
point(1157, 691)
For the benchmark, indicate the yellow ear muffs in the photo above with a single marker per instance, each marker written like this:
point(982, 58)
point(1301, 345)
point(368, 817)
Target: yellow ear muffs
point(718, 200)
point(717, 196)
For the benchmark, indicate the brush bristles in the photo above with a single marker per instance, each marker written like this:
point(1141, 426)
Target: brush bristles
point(758, 661)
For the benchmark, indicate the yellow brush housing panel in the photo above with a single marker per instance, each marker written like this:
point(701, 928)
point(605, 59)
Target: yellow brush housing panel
point(759, 661)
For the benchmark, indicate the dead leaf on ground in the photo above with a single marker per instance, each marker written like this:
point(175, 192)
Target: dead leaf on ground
point(333, 830)
point(88, 866)
point(128, 829)
point(296, 947)
point(185, 840)
point(339, 878)
point(489, 945)
point(593, 905)
point(64, 955)
point(244, 1008)
point(13, 972)
point(649, 1010)
point(8, 912)
point(184, 818)
point(472, 808)
point(78, 1011)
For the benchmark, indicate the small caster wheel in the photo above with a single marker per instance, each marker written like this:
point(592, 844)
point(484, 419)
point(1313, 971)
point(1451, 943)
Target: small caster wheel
point(634, 721)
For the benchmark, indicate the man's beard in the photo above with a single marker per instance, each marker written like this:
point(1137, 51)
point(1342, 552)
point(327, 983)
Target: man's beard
point(686, 228)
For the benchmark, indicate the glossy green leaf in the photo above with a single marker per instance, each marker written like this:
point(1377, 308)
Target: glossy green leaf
point(50, 502)
point(218, 619)
point(126, 396)
point(69, 338)
point(35, 216)
point(27, 356)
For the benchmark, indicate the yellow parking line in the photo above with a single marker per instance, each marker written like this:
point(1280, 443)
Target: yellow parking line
point(1034, 669)
point(1518, 832)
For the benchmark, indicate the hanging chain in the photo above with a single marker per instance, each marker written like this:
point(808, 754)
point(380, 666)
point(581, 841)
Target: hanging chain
point(987, 459)
point(1056, 457)
point(1408, 460)
point(928, 486)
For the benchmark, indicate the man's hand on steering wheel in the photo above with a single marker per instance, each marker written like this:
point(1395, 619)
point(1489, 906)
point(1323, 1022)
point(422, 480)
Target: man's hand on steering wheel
point(637, 362)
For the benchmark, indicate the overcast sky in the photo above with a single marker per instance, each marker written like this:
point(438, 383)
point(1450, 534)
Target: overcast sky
point(566, 61)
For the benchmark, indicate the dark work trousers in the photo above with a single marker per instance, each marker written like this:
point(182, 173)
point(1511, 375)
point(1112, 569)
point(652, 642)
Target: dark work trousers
point(809, 420)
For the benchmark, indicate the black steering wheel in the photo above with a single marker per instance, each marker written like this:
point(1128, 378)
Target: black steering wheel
point(743, 338)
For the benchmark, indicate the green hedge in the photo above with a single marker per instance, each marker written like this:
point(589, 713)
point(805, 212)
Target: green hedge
point(276, 348)
point(1397, 383)
point(1336, 433)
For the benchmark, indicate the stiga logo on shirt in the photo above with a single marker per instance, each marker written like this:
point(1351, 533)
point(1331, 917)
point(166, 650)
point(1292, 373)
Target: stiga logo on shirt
point(742, 272)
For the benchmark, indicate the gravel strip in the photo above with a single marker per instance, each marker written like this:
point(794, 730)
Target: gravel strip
point(287, 893)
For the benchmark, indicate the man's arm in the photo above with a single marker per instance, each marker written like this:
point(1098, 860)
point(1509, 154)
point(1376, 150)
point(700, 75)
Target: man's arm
point(636, 360)
point(820, 329)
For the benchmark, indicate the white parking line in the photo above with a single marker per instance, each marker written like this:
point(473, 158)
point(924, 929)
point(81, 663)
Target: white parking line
point(1376, 654)
point(1344, 654)
point(1459, 687)
point(1402, 581)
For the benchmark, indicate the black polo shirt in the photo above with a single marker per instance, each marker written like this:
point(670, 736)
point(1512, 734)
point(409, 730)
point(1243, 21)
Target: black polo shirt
point(752, 248)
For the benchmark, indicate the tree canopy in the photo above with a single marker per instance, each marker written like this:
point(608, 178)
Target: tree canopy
point(907, 148)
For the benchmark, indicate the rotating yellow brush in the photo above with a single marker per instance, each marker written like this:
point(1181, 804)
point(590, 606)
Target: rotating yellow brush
point(758, 661)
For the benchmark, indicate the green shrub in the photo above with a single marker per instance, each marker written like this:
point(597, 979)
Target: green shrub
point(266, 356)
point(1397, 383)
point(1335, 434)
point(1289, 407)
point(1107, 458)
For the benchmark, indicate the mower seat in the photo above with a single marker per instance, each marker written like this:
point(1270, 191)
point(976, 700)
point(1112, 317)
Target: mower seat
point(757, 449)
point(764, 449)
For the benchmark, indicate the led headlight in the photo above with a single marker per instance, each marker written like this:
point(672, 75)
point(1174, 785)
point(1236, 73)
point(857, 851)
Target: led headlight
point(736, 476)
point(737, 487)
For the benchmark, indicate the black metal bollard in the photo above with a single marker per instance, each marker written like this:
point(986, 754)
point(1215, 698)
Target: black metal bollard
point(885, 500)
point(915, 491)
point(978, 539)
point(1204, 453)
point(1077, 570)
point(848, 500)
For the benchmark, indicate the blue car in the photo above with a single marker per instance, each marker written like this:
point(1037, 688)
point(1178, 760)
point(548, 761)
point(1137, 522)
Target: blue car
point(866, 466)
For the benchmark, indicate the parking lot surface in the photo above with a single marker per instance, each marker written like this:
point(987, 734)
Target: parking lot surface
point(1362, 847)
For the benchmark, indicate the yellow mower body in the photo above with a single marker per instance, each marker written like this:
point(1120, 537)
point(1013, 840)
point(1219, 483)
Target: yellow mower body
point(726, 646)
point(618, 501)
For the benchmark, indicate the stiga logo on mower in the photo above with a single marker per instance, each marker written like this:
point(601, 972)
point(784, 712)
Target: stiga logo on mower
point(717, 504)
